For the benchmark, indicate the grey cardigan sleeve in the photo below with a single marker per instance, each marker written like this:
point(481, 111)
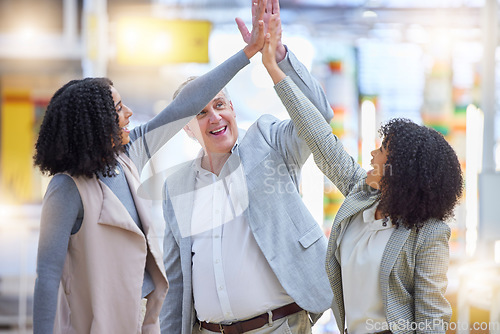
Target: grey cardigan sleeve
point(62, 207)
point(148, 138)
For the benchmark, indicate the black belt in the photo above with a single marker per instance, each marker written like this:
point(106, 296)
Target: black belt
point(254, 323)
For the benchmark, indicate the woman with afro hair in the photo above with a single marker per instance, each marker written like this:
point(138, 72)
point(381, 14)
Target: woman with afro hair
point(388, 250)
point(100, 267)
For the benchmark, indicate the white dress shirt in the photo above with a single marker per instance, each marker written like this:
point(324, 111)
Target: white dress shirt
point(232, 279)
point(361, 248)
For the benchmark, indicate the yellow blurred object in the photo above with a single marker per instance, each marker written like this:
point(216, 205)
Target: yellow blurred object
point(153, 41)
point(92, 31)
point(18, 113)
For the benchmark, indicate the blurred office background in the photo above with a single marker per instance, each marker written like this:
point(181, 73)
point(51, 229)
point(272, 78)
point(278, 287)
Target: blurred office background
point(433, 61)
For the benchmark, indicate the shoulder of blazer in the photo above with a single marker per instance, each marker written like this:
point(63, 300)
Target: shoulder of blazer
point(177, 175)
point(431, 227)
point(254, 143)
point(261, 125)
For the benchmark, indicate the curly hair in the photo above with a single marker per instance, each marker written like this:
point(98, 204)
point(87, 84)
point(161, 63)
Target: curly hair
point(422, 177)
point(78, 130)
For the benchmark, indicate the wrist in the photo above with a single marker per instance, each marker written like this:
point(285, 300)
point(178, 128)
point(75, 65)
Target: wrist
point(250, 51)
point(275, 73)
point(280, 53)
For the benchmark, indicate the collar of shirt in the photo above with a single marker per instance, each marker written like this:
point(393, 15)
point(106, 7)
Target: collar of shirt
point(201, 154)
point(376, 224)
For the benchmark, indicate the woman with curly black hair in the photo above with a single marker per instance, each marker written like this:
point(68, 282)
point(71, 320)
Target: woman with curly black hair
point(388, 249)
point(422, 155)
point(100, 267)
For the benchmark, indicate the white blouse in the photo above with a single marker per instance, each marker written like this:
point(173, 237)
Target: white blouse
point(361, 248)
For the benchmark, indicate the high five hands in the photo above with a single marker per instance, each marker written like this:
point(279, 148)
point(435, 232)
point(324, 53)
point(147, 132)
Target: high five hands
point(255, 39)
point(271, 45)
point(262, 11)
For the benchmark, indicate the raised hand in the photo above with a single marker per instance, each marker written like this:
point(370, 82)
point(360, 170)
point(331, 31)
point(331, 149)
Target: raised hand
point(272, 39)
point(272, 7)
point(254, 39)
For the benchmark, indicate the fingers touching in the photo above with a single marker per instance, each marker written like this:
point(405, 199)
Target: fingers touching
point(262, 13)
point(255, 38)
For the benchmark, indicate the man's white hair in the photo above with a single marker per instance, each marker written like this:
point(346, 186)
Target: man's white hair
point(188, 80)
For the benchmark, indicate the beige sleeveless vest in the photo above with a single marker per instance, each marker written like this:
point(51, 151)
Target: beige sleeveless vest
point(101, 285)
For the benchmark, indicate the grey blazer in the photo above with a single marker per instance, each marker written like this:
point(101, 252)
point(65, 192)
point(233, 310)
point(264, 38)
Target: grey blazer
point(414, 264)
point(289, 237)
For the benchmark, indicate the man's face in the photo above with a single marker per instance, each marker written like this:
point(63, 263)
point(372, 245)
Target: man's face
point(215, 126)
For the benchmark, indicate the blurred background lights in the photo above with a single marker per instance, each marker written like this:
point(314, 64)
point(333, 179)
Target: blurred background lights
point(369, 14)
point(163, 42)
point(473, 159)
point(497, 252)
point(302, 47)
point(131, 36)
point(368, 132)
point(27, 32)
point(147, 41)
point(260, 77)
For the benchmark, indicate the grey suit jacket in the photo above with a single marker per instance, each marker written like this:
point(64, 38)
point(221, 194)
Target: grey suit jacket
point(289, 237)
point(414, 264)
